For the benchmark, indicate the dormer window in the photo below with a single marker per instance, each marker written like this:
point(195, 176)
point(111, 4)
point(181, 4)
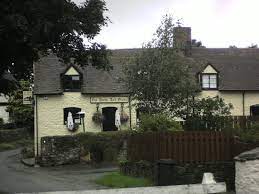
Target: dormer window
point(209, 78)
point(209, 81)
point(71, 80)
point(71, 83)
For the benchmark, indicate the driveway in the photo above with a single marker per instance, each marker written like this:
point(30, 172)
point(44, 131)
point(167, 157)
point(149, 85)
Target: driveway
point(15, 177)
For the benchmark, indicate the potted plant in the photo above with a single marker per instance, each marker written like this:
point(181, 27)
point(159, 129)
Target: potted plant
point(124, 117)
point(97, 117)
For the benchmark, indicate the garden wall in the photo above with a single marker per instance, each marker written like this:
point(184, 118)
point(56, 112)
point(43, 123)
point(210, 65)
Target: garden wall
point(182, 173)
point(102, 147)
point(9, 135)
point(59, 150)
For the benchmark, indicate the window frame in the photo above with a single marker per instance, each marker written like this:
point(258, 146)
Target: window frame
point(73, 114)
point(71, 87)
point(209, 74)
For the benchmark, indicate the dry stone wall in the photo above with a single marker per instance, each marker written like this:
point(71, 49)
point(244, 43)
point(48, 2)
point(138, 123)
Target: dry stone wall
point(59, 150)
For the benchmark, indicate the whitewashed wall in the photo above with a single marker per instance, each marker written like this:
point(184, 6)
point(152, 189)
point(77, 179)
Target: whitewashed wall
point(3, 113)
point(247, 172)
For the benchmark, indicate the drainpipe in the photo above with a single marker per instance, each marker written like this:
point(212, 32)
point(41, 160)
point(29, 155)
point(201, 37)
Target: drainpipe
point(130, 110)
point(243, 94)
point(36, 128)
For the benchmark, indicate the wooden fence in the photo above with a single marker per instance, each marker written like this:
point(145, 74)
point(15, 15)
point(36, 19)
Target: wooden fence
point(184, 147)
point(226, 122)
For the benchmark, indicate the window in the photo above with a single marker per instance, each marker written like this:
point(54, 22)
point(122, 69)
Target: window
point(254, 110)
point(71, 83)
point(209, 81)
point(74, 111)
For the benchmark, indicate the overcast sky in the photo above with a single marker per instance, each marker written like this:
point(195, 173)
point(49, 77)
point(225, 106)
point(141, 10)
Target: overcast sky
point(217, 23)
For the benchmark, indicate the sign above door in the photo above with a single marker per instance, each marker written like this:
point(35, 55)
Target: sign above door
point(109, 99)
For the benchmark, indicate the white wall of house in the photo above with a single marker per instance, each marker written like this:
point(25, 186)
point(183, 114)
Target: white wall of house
point(3, 105)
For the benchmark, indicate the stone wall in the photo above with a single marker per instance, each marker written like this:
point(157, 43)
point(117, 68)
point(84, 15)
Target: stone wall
point(59, 150)
point(9, 135)
point(247, 172)
point(183, 173)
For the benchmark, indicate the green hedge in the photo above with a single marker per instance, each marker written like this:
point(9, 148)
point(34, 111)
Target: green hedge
point(104, 146)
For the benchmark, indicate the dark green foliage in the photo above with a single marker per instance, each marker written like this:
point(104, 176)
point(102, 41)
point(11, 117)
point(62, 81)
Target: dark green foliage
point(247, 135)
point(158, 122)
point(210, 113)
point(104, 146)
point(1, 122)
point(138, 169)
point(20, 114)
point(31, 26)
point(117, 180)
point(160, 77)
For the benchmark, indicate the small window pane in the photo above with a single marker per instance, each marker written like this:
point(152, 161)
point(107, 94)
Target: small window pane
point(213, 85)
point(205, 85)
point(75, 78)
point(205, 79)
point(213, 81)
point(213, 77)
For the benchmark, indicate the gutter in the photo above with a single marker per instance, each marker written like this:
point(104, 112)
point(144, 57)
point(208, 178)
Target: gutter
point(36, 127)
point(130, 111)
point(243, 94)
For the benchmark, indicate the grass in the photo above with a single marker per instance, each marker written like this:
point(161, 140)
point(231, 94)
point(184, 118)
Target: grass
point(116, 180)
point(6, 146)
point(15, 144)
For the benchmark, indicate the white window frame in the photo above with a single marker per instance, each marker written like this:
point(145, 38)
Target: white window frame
point(210, 83)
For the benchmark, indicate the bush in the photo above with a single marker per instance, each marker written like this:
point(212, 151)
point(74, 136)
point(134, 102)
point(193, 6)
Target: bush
point(248, 136)
point(210, 113)
point(255, 125)
point(158, 122)
point(1, 122)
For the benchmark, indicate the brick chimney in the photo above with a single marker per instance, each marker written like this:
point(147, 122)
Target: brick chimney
point(182, 39)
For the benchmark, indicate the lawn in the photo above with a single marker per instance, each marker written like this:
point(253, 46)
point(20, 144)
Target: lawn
point(117, 180)
point(15, 144)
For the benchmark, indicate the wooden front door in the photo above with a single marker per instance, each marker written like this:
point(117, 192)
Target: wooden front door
point(109, 119)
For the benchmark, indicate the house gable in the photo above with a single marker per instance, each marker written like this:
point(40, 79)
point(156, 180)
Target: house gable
point(209, 69)
point(71, 71)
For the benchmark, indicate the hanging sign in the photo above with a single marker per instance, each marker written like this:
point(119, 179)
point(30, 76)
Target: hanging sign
point(109, 99)
point(27, 97)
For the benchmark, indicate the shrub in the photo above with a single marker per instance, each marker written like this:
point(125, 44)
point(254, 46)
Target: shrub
point(248, 136)
point(255, 125)
point(1, 122)
point(97, 117)
point(210, 113)
point(158, 122)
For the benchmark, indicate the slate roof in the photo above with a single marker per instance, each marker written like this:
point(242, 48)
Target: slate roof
point(238, 70)
point(48, 72)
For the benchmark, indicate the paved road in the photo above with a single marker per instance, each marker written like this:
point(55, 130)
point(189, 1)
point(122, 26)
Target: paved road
point(15, 177)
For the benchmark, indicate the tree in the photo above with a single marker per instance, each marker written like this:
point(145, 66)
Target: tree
point(160, 78)
point(30, 27)
point(211, 113)
point(196, 43)
point(253, 46)
point(20, 114)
